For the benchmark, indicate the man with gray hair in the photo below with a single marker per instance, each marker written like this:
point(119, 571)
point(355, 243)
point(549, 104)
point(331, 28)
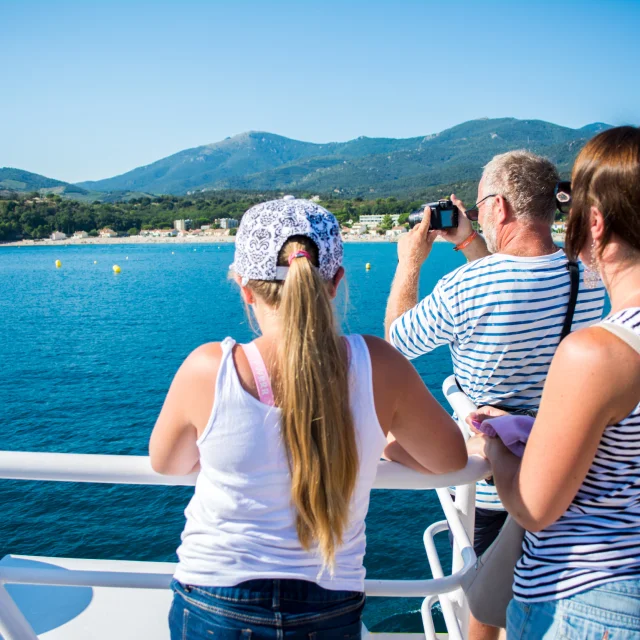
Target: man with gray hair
point(501, 314)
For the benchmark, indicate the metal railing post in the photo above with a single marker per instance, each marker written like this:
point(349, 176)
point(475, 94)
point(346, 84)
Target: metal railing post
point(465, 504)
point(427, 617)
point(13, 625)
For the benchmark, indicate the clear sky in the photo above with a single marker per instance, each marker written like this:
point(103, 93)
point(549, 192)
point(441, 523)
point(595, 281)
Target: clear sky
point(90, 89)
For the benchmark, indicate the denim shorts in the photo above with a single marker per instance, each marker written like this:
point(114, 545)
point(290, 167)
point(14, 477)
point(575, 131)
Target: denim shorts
point(608, 612)
point(265, 610)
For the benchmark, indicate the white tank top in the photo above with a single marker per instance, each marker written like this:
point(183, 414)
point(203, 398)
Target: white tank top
point(240, 522)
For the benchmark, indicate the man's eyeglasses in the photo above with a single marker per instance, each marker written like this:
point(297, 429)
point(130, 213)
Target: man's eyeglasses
point(473, 213)
point(562, 193)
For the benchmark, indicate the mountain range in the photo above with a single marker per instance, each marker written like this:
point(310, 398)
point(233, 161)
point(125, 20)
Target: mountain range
point(367, 167)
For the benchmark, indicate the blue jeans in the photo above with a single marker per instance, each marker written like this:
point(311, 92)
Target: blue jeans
point(608, 612)
point(265, 610)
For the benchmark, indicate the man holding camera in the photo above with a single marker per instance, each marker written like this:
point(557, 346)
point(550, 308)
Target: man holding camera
point(501, 314)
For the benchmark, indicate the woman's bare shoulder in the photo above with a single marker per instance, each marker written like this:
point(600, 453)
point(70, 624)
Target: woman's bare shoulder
point(383, 352)
point(593, 346)
point(205, 359)
point(601, 368)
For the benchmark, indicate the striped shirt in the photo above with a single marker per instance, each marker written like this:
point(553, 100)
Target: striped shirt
point(501, 317)
point(597, 540)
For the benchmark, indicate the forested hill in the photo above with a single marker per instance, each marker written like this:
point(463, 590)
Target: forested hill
point(19, 181)
point(372, 167)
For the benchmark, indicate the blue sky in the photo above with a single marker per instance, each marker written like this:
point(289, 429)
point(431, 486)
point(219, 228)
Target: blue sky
point(91, 89)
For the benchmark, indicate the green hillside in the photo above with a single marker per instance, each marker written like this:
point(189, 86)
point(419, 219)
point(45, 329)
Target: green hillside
point(24, 181)
point(361, 167)
point(236, 158)
point(26, 217)
point(19, 181)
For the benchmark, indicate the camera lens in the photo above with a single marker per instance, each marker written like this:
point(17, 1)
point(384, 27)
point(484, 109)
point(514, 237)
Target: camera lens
point(415, 218)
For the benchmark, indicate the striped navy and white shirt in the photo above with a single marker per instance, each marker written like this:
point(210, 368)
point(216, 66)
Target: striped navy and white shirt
point(597, 540)
point(501, 317)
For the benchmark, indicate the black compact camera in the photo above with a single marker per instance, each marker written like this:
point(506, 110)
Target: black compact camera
point(444, 215)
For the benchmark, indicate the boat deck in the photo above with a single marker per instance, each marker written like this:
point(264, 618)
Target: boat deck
point(105, 613)
point(70, 612)
point(82, 599)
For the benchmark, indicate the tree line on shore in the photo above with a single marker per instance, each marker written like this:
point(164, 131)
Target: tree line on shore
point(37, 216)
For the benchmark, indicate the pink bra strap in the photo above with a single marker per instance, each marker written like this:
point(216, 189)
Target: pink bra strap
point(260, 373)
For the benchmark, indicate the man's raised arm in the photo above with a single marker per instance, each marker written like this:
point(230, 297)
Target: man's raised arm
point(413, 249)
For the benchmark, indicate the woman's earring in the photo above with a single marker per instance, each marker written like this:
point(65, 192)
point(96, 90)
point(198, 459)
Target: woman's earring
point(591, 273)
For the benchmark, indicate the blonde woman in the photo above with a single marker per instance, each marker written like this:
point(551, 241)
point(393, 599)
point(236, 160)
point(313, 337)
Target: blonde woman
point(287, 432)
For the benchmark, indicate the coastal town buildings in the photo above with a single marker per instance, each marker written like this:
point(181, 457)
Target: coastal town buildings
point(80, 234)
point(58, 235)
point(182, 225)
point(108, 233)
point(358, 229)
point(228, 223)
point(374, 219)
point(396, 231)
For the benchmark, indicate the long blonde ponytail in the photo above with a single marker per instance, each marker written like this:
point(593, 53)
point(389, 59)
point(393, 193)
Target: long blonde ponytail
point(312, 390)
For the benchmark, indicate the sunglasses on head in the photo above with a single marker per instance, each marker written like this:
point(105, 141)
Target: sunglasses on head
point(562, 193)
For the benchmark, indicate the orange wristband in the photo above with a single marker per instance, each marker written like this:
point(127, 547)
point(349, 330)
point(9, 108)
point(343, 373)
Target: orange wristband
point(465, 243)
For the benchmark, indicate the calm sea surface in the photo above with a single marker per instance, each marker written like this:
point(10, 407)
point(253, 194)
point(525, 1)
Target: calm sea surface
point(86, 358)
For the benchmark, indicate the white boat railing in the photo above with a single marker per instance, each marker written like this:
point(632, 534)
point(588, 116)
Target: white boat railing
point(70, 467)
point(84, 467)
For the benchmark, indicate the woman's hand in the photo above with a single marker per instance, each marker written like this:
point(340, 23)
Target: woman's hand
point(482, 414)
point(479, 445)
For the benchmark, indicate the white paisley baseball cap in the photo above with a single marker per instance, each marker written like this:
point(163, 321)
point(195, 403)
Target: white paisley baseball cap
point(267, 226)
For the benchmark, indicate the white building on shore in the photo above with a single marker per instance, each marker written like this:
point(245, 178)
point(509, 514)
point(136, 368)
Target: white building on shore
point(396, 231)
point(80, 234)
point(108, 233)
point(373, 220)
point(58, 235)
point(162, 233)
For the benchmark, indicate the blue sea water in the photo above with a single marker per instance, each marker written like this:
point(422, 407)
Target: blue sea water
point(86, 358)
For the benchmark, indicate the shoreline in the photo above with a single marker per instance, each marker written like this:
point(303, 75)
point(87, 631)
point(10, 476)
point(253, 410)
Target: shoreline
point(133, 240)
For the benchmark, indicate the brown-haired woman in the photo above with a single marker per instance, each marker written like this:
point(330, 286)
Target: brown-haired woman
point(287, 433)
point(577, 489)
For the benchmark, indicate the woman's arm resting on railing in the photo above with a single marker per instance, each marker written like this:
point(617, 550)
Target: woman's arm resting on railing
point(593, 382)
point(424, 430)
point(185, 413)
point(395, 452)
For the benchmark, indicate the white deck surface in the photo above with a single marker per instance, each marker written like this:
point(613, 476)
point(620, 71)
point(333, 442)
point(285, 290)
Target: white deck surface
point(105, 613)
point(93, 613)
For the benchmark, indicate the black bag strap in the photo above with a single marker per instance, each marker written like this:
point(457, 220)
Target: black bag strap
point(574, 274)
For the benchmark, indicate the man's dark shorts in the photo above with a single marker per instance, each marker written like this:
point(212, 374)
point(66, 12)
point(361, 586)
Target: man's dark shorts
point(488, 525)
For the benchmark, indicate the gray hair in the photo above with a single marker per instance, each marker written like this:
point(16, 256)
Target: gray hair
point(526, 181)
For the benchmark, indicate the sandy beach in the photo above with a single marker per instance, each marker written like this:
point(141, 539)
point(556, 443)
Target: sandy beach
point(151, 240)
point(557, 237)
point(121, 240)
